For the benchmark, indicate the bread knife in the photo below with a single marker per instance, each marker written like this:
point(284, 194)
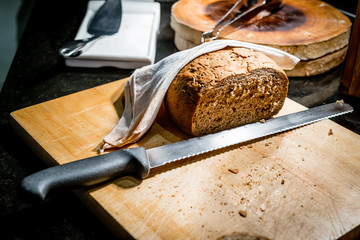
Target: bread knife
point(137, 162)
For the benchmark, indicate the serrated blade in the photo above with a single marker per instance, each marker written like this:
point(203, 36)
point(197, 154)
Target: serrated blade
point(179, 150)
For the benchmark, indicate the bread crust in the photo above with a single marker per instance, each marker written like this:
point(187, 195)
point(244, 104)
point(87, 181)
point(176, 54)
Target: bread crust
point(214, 78)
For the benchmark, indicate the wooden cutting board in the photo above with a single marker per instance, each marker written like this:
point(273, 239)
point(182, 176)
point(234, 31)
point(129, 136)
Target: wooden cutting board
point(303, 183)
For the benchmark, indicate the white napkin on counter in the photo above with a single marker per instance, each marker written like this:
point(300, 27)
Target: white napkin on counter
point(148, 85)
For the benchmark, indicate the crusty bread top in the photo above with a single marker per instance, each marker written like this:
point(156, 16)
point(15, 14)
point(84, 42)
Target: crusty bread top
point(211, 68)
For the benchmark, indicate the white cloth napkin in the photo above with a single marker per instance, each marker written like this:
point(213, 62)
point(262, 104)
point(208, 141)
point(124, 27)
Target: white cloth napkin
point(148, 85)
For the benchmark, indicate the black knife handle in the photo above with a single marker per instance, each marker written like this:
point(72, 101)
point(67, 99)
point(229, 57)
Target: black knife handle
point(128, 162)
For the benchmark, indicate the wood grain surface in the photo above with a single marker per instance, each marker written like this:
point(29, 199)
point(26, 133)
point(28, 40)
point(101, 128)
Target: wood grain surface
point(297, 23)
point(301, 184)
point(312, 30)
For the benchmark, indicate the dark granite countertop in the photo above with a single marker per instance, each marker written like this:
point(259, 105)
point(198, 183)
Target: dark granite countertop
point(38, 74)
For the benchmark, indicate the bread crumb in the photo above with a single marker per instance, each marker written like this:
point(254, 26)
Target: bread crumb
point(340, 101)
point(262, 207)
point(330, 132)
point(234, 170)
point(243, 213)
point(243, 200)
point(262, 121)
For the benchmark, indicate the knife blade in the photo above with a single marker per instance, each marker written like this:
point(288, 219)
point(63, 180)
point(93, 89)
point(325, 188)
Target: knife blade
point(137, 162)
point(105, 22)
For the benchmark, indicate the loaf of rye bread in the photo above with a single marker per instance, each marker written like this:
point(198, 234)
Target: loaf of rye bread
point(225, 89)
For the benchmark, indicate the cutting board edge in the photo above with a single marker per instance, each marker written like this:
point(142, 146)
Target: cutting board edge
point(30, 141)
point(37, 148)
point(353, 234)
point(100, 212)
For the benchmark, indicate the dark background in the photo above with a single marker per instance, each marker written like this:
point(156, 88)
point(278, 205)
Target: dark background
point(38, 74)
